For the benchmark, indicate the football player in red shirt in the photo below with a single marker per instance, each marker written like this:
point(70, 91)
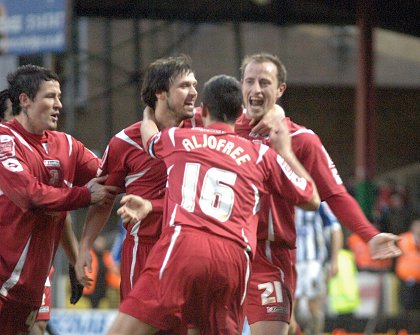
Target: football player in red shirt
point(271, 288)
point(43, 174)
point(198, 270)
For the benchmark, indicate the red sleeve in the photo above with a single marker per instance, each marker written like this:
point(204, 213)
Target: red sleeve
point(113, 164)
point(316, 160)
point(349, 213)
point(285, 181)
point(87, 164)
point(160, 145)
point(321, 167)
point(28, 193)
point(157, 205)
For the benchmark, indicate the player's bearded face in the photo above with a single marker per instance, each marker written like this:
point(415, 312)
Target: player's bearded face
point(43, 111)
point(260, 88)
point(182, 96)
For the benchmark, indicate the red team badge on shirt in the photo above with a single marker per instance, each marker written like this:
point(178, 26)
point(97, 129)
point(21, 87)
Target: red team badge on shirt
point(7, 146)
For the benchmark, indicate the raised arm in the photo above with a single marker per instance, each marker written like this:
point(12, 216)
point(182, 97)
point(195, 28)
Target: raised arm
point(349, 213)
point(263, 126)
point(281, 142)
point(148, 127)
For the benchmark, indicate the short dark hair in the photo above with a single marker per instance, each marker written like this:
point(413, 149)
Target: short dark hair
point(4, 97)
point(26, 79)
point(222, 95)
point(264, 57)
point(161, 74)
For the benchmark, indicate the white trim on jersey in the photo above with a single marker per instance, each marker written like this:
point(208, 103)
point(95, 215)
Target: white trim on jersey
point(261, 152)
point(268, 254)
point(133, 177)
point(124, 137)
point(171, 134)
point(70, 144)
point(257, 198)
point(168, 253)
point(14, 277)
point(133, 232)
point(20, 138)
point(247, 274)
point(302, 131)
point(192, 119)
point(270, 227)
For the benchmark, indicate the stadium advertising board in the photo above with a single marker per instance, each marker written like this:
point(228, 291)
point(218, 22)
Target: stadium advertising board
point(32, 26)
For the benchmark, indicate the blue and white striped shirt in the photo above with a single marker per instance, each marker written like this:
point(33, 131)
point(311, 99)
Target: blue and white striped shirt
point(313, 231)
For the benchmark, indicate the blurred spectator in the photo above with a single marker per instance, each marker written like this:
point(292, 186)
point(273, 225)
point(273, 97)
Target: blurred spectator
point(105, 272)
point(118, 242)
point(364, 261)
point(318, 240)
point(408, 270)
point(343, 289)
point(392, 210)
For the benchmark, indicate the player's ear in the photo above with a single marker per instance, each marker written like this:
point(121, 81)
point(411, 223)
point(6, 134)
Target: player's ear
point(161, 95)
point(281, 89)
point(204, 110)
point(24, 100)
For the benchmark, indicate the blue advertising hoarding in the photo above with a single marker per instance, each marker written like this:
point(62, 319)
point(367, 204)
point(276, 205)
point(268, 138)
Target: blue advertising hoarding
point(32, 26)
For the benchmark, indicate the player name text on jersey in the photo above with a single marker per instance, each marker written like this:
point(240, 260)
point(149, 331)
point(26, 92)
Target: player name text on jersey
point(218, 144)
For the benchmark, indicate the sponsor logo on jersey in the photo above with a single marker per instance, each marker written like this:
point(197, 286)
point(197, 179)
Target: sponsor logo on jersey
point(12, 164)
point(276, 309)
point(7, 146)
point(44, 309)
point(52, 163)
point(53, 166)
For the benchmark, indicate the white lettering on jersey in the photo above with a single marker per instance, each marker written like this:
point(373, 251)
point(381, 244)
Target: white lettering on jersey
point(332, 167)
point(217, 144)
point(7, 146)
point(12, 164)
point(290, 174)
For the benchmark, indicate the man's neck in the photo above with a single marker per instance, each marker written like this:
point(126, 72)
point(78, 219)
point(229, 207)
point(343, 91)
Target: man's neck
point(208, 122)
point(165, 120)
point(24, 121)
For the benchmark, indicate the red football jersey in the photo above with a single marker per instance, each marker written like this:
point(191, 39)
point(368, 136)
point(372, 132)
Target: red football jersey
point(40, 177)
point(216, 179)
point(129, 167)
point(276, 221)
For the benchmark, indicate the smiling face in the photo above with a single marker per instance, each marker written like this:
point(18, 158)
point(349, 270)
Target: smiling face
point(178, 103)
point(42, 112)
point(260, 88)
